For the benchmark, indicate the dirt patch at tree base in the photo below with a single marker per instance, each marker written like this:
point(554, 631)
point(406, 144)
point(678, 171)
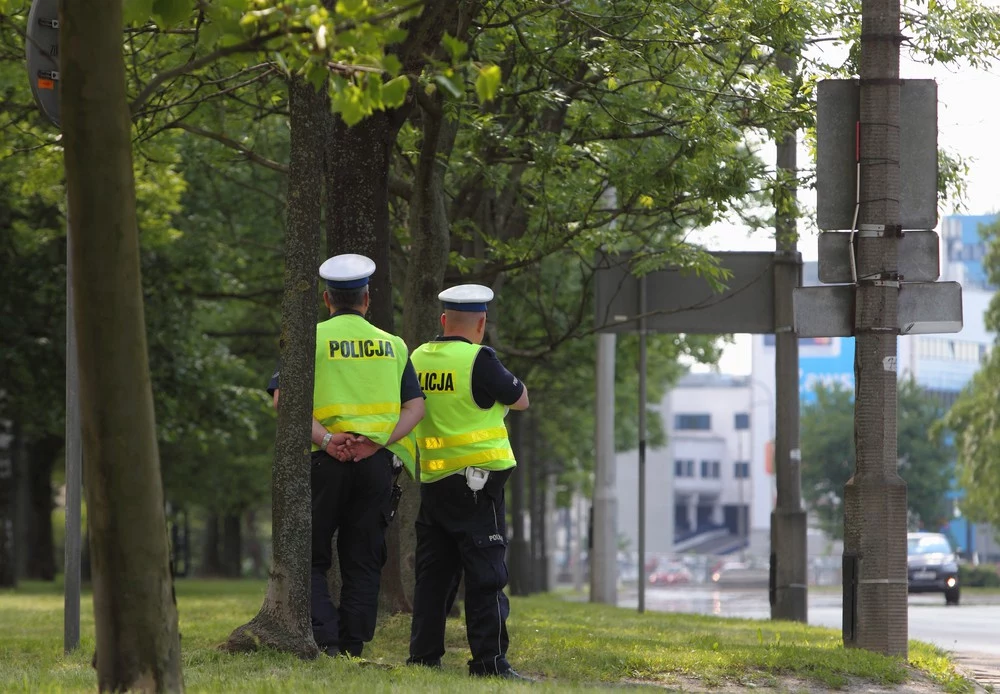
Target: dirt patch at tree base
point(776, 684)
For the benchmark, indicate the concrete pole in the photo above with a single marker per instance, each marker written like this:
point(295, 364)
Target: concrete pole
point(874, 576)
point(74, 468)
point(604, 554)
point(788, 592)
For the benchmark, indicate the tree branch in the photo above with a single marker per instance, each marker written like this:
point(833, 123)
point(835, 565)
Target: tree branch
point(248, 46)
point(231, 144)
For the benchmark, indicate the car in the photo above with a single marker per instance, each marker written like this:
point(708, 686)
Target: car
point(669, 574)
point(932, 566)
point(739, 574)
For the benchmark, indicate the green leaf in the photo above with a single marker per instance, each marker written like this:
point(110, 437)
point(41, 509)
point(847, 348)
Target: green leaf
point(391, 64)
point(170, 12)
point(488, 82)
point(348, 102)
point(137, 11)
point(457, 49)
point(394, 91)
point(350, 7)
point(448, 85)
point(317, 76)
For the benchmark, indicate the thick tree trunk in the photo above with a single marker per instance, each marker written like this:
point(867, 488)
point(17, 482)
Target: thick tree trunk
point(232, 546)
point(138, 647)
point(41, 564)
point(8, 507)
point(357, 197)
point(211, 562)
point(283, 621)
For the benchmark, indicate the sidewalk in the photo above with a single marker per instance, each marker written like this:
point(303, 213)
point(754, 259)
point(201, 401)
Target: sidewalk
point(982, 667)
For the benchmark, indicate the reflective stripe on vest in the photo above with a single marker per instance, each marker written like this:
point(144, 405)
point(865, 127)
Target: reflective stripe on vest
point(359, 369)
point(455, 432)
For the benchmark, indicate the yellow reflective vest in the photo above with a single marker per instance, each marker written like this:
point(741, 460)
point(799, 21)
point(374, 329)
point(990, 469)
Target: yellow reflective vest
point(359, 369)
point(455, 432)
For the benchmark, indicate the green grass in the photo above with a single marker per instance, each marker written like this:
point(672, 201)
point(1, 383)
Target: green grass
point(570, 645)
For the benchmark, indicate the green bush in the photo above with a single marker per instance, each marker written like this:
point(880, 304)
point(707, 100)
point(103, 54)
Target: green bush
point(984, 576)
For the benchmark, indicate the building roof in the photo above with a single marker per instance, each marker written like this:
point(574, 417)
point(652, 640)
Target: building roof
point(713, 380)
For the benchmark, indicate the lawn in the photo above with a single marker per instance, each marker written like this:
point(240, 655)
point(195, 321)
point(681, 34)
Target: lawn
point(572, 646)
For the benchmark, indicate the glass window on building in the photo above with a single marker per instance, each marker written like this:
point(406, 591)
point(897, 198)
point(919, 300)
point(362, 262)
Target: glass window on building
point(693, 422)
point(741, 470)
point(690, 468)
point(742, 420)
point(715, 469)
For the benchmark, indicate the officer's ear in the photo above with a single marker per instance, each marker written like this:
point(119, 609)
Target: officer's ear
point(326, 300)
point(443, 321)
point(481, 324)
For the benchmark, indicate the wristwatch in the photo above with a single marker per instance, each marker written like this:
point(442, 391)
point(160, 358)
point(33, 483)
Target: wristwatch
point(327, 438)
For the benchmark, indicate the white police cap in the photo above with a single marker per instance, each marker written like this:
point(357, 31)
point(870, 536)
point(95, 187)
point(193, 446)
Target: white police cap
point(347, 271)
point(466, 297)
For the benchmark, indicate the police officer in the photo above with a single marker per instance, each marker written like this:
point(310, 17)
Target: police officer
point(465, 461)
point(366, 401)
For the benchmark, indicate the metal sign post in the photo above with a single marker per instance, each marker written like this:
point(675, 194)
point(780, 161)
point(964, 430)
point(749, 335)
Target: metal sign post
point(42, 52)
point(642, 445)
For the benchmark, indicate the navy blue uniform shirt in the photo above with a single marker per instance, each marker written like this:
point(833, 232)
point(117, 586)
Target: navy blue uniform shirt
point(491, 381)
point(409, 386)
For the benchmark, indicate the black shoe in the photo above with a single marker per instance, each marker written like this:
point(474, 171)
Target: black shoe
point(332, 651)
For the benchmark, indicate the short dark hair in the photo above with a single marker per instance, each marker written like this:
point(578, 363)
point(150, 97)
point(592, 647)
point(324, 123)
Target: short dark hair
point(347, 298)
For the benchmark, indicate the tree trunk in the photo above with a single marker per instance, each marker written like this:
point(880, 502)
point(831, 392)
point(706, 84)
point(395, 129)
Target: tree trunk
point(232, 546)
point(8, 507)
point(283, 621)
point(41, 564)
point(519, 554)
point(138, 647)
point(211, 562)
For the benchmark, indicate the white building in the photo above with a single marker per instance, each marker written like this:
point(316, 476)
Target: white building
point(700, 486)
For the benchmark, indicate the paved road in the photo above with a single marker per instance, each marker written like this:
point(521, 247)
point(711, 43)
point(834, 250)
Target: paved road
point(972, 627)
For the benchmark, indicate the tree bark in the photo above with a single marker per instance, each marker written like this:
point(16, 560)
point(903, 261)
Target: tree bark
point(283, 621)
point(138, 647)
point(232, 546)
point(519, 552)
point(41, 557)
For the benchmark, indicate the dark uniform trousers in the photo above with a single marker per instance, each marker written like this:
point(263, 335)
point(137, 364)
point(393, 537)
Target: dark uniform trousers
point(353, 498)
point(458, 531)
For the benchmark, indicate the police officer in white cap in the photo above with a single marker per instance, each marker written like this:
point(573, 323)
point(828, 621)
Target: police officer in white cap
point(366, 402)
point(465, 461)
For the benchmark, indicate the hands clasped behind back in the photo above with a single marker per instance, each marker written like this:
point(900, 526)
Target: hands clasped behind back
point(350, 447)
